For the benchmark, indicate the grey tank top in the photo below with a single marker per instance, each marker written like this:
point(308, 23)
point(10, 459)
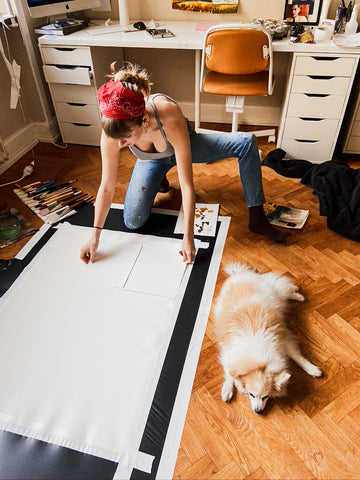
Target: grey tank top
point(169, 150)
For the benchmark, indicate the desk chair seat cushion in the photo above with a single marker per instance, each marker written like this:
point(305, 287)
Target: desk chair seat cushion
point(237, 85)
point(236, 52)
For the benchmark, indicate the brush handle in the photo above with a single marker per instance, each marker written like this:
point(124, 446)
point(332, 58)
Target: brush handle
point(88, 199)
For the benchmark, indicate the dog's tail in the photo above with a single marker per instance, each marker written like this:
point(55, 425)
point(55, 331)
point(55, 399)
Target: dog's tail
point(236, 268)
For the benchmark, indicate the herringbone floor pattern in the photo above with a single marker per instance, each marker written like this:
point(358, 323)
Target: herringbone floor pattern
point(312, 433)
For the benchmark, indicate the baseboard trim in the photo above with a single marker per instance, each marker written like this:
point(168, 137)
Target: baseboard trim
point(24, 139)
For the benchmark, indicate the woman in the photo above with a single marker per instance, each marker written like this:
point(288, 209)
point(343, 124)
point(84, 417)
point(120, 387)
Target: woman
point(155, 130)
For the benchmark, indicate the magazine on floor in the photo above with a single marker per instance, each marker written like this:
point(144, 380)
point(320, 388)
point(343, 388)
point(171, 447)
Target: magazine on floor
point(283, 216)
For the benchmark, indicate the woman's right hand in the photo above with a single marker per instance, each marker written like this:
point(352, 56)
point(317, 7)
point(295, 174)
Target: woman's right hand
point(88, 251)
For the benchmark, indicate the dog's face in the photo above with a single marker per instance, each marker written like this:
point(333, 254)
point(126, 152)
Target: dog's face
point(260, 385)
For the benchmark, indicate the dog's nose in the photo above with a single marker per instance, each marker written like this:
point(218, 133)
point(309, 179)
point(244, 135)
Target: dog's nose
point(258, 410)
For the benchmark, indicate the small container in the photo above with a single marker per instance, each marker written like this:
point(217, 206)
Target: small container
point(9, 224)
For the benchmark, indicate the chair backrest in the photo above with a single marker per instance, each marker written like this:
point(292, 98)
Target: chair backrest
point(237, 49)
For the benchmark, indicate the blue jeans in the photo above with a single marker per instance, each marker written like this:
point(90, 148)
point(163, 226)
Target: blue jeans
point(205, 148)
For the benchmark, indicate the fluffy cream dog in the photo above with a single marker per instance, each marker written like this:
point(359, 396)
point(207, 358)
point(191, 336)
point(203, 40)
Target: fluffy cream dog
point(255, 343)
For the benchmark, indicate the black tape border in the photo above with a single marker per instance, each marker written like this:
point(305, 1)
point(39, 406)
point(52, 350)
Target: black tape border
point(157, 425)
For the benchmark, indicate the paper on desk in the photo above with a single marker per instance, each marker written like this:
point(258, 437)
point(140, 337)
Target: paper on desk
point(347, 40)
point(202, 27)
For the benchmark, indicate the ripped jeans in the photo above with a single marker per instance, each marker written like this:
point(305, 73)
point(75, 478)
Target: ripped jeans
point(205, 148)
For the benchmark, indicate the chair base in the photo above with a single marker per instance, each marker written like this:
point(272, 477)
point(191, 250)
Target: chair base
point(235, 104)
point(270, 132)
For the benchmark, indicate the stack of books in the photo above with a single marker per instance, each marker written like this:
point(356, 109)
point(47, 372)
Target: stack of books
point(61, 28)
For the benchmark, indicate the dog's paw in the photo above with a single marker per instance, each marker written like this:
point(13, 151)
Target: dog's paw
point(297, 296)
point(314, 371)
point(227, 392)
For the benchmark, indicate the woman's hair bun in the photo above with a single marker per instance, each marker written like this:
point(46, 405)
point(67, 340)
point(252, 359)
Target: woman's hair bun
point(133, 77)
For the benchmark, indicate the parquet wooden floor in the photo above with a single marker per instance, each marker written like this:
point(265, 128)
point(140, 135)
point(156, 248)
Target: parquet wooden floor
point(312, 433)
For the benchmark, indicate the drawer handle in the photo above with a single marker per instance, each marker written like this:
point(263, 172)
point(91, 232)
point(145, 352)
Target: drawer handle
point(68, 67)
point(307, 119)
point(319, 95)
point(76, 104)
point(320, 77)
point(82, 124)
point(64, 49)
point(325, 59)
point(305, 141)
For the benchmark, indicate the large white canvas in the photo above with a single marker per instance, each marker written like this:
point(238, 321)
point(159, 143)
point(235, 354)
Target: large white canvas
point(80, 369)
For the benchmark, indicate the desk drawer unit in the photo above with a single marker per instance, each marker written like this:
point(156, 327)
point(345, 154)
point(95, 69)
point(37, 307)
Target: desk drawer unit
point(81, 133)
point(351, 132)
point(66, 56)
point(69, 73)
point(317, 95)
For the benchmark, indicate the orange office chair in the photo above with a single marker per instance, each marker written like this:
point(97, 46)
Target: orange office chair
point(237, 62)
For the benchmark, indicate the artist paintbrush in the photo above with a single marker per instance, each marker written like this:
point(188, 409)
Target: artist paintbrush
point(25, 192)
point(33, 185)
point(36, 205)
point(74, 208)
point(80, 203)
point(54, 189)
point(49, 205)
point(79, 196)
point(60, 202)
point(66, 211)
point(50, 198)
point(36, 189)
point(44, 197)
point(22, 188)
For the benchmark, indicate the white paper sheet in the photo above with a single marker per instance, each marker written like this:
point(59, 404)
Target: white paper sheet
point(138, 263)
point(80, 370)
point(115, 258)
point(158, 270)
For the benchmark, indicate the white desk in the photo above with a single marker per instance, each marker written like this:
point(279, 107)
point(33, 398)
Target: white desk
point(75, 50)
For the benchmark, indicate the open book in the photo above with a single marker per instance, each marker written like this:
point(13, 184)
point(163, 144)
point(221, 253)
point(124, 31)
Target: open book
point(288, 217)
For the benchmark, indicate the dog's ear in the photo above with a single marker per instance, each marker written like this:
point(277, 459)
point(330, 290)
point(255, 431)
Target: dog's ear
point(281, 379)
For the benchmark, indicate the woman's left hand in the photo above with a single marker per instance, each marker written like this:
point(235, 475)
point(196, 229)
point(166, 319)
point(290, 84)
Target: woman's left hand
point(188, 250)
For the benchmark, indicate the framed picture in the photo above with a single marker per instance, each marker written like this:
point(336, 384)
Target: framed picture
point(302, 11)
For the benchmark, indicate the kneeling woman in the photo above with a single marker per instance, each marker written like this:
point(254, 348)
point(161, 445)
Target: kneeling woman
point(155, 130)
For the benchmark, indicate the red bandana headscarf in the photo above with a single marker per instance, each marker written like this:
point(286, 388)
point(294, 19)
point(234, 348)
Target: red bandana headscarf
point(119, 103)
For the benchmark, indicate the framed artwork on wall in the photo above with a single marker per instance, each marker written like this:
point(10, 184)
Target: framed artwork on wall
point(210, 6)
point(302, 11)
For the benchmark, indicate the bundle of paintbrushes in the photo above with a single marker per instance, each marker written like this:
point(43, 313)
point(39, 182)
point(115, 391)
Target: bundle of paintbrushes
point(51, 201)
